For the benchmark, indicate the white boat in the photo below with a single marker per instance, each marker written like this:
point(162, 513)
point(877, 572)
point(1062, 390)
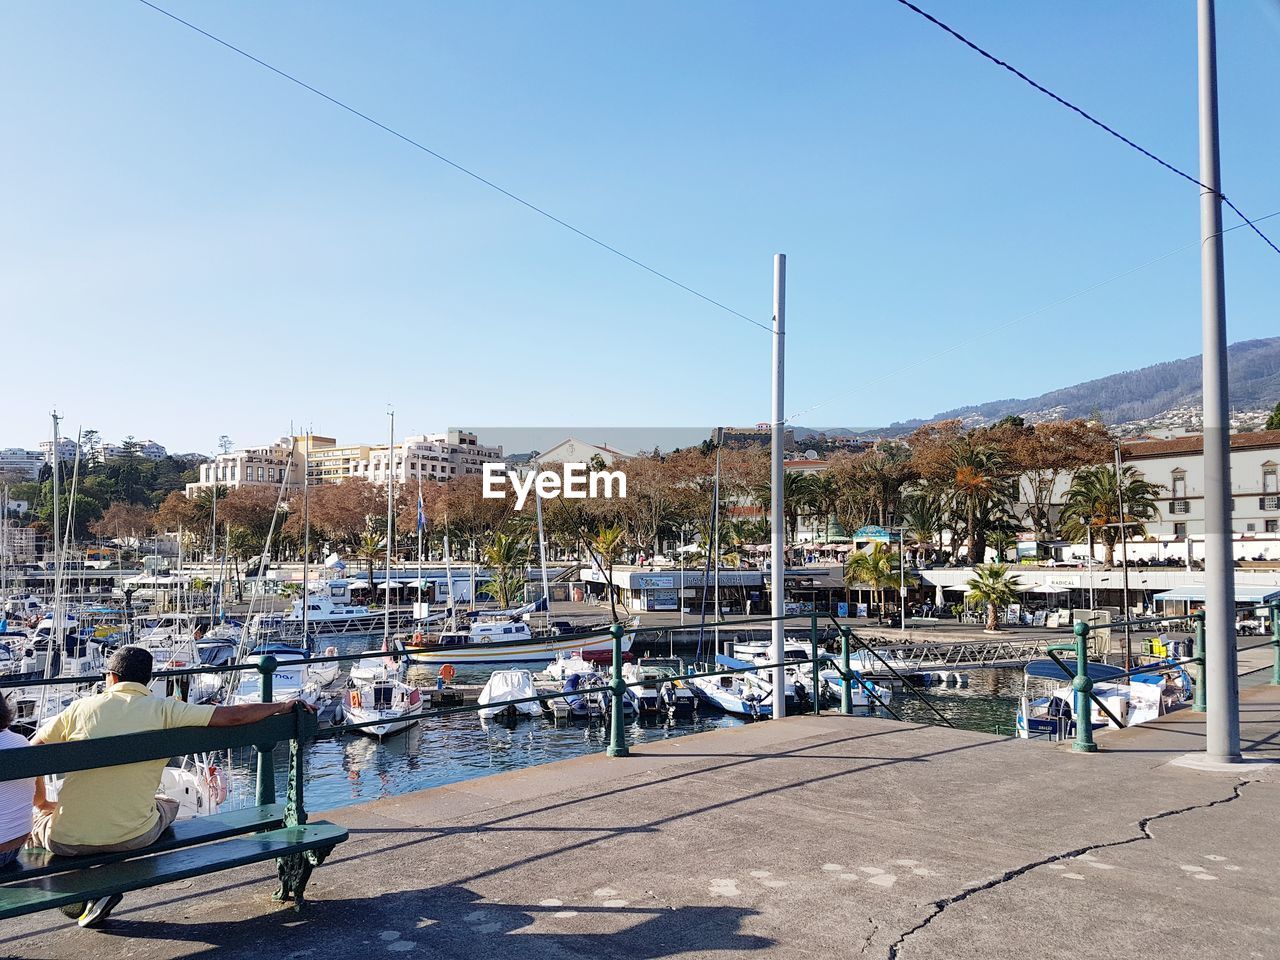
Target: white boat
point(506, 641)
point(1047, 705)
point(657, 686)
point(862, 692)
point(386, 704)
point(742, 694)
point(503, 687)
point(798, 676)
point(293, 678)
point(565, 666)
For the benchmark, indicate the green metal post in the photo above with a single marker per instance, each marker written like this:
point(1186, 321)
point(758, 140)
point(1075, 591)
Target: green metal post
point(617, 733)
point(1198, 704)
point(266, 753)
point(1275, 641)
point(846, 691)
point(815, 690)
point(1083, 686)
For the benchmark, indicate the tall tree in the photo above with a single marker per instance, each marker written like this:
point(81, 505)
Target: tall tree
point(1093, 505)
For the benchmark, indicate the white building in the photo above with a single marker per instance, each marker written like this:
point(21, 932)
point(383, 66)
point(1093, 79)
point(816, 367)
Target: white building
point(19, 464)
point(439, 456)
point(147, 449)
point(66, 450)
point(1178, 466)
point(254, 466)
point(573, 450)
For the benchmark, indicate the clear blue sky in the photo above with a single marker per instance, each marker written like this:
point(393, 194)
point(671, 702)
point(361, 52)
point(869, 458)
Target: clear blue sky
point(194, 247)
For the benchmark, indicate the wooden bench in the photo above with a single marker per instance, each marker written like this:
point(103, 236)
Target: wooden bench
point(191, 848)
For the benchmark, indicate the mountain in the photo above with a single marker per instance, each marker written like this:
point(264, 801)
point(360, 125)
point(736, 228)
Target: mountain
point(1163, 394)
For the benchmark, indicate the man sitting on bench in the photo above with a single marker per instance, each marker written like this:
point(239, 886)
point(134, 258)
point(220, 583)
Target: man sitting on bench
point(113, 809)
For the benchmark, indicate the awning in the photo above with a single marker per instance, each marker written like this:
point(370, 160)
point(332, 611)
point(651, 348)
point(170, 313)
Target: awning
point(1245, 593)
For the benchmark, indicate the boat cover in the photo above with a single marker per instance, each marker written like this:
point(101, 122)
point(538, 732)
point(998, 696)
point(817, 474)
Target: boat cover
point(1051, 671)
point(507, 685)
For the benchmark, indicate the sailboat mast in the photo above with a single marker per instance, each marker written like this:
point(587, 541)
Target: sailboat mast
point(386, 584)
point(213, 538)
point(422, 522)
point(306, 532)
point(448, 563)
point(542, 556)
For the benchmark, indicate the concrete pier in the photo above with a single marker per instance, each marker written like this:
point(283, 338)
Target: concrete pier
point(825, 836)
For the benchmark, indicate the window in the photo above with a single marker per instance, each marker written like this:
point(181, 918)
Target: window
point(1273, 526)
point(271, 473)
point(1269, 480)
point(1179, 484)
point(262, 474)
point(1250, 527)
point(1180, 530)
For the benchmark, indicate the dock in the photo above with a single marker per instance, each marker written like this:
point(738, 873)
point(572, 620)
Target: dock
point(810, 836)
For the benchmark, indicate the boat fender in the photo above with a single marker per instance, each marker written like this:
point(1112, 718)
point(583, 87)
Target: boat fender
point(417, 638)
point(218, 785)
point(355, 698)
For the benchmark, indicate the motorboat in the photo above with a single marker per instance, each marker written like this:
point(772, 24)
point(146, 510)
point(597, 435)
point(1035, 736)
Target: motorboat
point(505, 640)
point(505, 686)
point(294, 678)
point(656, 685)
point(797, 660)
point(743, 694)
point(1047, 705)
point(862, 692)
point(383, 706)
point(576, 703)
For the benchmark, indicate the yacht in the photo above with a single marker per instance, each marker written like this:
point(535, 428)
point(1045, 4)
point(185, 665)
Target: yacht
point(384, 704)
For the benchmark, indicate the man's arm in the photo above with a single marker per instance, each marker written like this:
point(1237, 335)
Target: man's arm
point(252, 712)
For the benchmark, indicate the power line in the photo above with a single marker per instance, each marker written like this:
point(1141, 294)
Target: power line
point(455, 165)
point(1085, 114)
point(982, 335)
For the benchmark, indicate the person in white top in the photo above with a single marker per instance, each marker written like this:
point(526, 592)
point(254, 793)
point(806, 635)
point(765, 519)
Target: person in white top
point(16, 796)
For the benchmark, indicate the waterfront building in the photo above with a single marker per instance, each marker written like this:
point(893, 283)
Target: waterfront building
point(254, 466)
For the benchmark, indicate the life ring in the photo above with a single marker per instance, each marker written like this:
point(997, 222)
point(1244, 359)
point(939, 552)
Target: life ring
point(447, 673)
point(219, 787)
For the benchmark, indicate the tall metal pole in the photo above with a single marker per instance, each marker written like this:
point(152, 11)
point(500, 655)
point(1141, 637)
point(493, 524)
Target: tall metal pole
point(778, 567)
point(306, 538)
point(1222, 721)
point(386, 586)
point(1124, 563)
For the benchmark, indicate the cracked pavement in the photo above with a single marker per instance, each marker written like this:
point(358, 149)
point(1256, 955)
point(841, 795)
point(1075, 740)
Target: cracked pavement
point(812, 836)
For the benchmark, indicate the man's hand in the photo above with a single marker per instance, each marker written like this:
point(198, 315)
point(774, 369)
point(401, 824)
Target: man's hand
point(288, 705)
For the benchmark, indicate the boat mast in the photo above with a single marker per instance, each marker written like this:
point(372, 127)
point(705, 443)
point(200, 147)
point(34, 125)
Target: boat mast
point(306, 531)
point(386, 584)
point(542, 555)
point(448, 565)
point(422, 522)
point(213, 538)
point(54, 639)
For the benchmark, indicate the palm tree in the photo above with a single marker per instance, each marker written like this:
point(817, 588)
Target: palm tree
point(506, 556)
point(992, 584)
point(797, 499)
point(607, 547)
point(371, 550)
point(879, 568)
point(1092, 504)
point(981, 482)
point(1002, 541)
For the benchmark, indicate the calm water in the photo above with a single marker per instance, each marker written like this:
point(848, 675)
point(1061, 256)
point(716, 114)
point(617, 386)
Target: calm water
point(349, 768)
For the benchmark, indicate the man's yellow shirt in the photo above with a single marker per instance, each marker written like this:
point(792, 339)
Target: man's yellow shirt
point(111, 805)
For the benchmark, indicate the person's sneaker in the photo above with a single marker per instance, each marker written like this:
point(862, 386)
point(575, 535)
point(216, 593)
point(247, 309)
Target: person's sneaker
point(98, 910)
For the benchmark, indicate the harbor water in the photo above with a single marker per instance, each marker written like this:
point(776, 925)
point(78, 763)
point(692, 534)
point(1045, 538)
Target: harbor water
point(349, 768)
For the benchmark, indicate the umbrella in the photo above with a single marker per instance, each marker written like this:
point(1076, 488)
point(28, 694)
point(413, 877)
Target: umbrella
point(390, 585)
point(1045, 588)
point(359, 584)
